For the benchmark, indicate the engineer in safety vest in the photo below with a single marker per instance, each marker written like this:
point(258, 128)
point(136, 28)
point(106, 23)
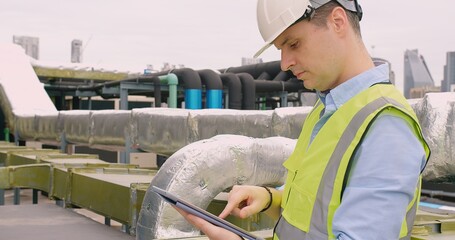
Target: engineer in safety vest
point(356, 170)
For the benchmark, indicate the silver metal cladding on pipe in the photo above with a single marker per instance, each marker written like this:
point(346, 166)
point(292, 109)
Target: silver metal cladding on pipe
point(160, 130)
point(47, 129)
point(288, 122)
point(109, 129)
point(207, 123)
point(75, 124)
point(25, 125)
point(203, 169)
point(436, 113)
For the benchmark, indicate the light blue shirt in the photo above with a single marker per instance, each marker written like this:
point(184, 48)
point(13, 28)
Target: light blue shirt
point(385, 168)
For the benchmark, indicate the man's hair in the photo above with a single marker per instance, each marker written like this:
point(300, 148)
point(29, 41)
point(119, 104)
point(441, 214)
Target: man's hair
point(320, 16)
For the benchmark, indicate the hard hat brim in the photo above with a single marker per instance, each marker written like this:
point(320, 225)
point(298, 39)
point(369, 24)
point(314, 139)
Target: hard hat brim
point(267, 45)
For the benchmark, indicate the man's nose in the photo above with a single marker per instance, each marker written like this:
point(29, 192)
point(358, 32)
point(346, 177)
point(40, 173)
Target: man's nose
point(286, 62)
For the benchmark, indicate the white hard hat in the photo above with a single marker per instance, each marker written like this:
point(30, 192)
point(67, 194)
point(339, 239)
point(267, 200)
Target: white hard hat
point(275, 16)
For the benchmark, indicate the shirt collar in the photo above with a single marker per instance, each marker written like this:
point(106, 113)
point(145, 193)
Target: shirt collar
point(345, 91)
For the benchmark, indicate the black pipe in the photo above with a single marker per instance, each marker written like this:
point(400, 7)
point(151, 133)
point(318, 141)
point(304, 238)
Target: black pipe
point(295, 85)
point(98, 87)
point(279, 86)
point(264, 76)
point(255, 70)
point(189, 77)
point(234, 86)
point(210, 79)
point(269, 86)
point(283, 76)
point(248, 91)
point(68, 88)
point(157, 91)
point(192, 85)
point(214, 88)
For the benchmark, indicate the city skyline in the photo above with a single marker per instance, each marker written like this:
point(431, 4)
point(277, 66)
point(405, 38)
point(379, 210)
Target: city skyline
point(209, 34)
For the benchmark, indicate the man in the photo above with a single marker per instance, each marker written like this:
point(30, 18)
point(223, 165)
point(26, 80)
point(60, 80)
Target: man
point(355, 171)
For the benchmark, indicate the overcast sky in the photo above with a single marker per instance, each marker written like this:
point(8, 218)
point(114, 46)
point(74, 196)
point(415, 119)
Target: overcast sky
point(128, 35)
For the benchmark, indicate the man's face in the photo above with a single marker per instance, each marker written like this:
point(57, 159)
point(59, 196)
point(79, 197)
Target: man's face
point(311, 53)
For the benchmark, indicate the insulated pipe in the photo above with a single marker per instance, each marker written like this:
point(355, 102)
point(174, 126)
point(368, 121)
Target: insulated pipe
point(255, 70)
point(172, 80)
point(156, 90)
point(433, 193)
point(99, 87)
point(248, 91)
point(295, 85)
point(232, 82)
point(292, 85)
point(283, 76)
point(264, 76)
point(201, 170)
point(269, 86)
point(193, 88)
point(214, 88)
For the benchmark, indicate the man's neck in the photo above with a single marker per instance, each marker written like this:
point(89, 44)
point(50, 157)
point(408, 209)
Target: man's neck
point(357, 61)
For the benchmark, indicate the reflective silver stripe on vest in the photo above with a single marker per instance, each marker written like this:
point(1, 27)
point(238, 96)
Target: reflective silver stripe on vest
point(285, 231)
point(318, 226)
point(410, 216)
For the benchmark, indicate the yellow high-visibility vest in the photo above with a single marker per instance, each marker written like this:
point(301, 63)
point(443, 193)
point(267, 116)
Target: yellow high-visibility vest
point(316, 171)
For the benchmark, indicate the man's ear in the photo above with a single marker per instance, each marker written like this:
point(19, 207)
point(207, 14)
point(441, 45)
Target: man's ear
point(338, 20)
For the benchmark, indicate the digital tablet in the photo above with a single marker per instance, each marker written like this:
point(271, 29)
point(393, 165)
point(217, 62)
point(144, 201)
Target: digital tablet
point(197, 211)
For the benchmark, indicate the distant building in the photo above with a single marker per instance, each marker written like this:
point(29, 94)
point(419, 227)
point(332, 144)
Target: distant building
point(378, 61)
point(448, 83)
point(167, 66)
point(30, 44)
point(416, 73)
point(249, 61)
point(76, 51)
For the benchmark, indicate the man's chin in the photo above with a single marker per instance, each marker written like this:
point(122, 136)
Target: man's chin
point(308, 85)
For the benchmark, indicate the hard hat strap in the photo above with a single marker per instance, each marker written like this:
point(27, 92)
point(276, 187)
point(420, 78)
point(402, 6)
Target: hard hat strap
point(308, 14)
point(358, 9)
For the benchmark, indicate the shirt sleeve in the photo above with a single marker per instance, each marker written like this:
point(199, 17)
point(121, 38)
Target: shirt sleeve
point(382, 181)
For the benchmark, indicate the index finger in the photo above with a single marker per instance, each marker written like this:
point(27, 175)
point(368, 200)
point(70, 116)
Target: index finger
point(234, 201)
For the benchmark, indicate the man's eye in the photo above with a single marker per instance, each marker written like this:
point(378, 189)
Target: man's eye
point(294, 45)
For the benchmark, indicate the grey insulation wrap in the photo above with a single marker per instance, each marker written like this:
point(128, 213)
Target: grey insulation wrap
point(109, 129)
point(436, 113)
point(206, 168)
point(47, 129)
point(160, 130)
point(166, 130)
point(75, 124)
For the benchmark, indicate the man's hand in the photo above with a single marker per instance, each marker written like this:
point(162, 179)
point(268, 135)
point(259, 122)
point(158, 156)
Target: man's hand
point(211, 231)
point(244, 201)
